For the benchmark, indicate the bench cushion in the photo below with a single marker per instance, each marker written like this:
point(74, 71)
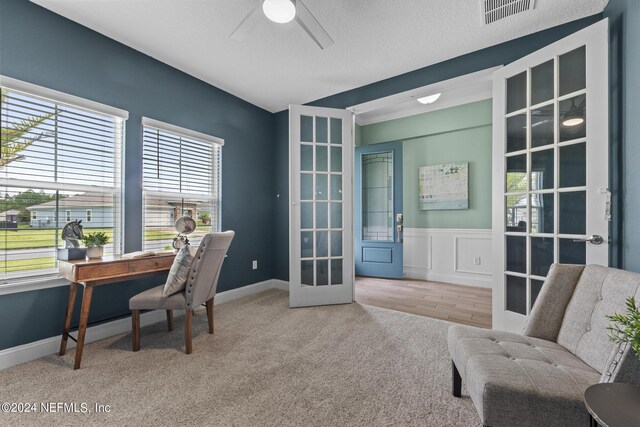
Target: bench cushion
point(519, 380)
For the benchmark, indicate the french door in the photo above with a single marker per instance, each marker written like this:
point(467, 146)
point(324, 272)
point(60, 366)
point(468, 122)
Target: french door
point(321, 206)
point(550, 175)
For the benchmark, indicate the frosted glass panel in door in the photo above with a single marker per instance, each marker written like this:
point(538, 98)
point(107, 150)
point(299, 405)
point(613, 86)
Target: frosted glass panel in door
point(377, 196)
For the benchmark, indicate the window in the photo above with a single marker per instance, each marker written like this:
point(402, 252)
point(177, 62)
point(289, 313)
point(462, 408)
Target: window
point(89, 215)
point(61, 156)
point(181, 177)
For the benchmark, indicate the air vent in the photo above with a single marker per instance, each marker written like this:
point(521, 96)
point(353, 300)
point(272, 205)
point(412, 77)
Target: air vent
point(495, 10)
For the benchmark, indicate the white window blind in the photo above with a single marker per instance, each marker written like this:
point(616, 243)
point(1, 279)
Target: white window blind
point(59, 161)
point(181, 177)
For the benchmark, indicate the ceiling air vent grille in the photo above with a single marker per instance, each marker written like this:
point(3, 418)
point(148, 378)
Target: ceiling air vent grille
point(495, 10)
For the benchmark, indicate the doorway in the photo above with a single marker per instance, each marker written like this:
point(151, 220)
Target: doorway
point(457, 126)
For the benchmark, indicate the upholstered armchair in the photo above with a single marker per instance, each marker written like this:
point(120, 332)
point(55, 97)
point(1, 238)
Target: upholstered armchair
point(200, 289)
point(539, 377)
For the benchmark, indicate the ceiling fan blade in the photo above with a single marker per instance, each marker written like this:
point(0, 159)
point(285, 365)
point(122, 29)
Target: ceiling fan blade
point(311, 25)
point(248, 24)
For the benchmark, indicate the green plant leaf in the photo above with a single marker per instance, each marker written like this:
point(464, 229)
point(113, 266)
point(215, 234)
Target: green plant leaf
point(16, 137)
point(625, 328)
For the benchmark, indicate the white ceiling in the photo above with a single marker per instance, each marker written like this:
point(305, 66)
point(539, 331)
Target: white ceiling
point(456, 91)
point(278, 64)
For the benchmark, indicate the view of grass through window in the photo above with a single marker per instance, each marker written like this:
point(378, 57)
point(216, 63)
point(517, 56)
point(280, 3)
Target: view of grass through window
point(59, 163)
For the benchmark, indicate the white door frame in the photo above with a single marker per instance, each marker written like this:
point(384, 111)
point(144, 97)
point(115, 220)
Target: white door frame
point(596, 39)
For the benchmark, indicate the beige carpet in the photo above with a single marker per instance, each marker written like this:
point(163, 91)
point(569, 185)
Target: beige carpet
point(349, 365)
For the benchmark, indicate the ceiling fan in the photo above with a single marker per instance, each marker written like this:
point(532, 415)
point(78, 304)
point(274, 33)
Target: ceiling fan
point(283, 11)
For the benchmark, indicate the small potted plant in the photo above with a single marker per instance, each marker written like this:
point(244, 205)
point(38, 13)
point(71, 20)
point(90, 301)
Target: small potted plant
point(205, 218)
point(625, 328)
point(95, 244)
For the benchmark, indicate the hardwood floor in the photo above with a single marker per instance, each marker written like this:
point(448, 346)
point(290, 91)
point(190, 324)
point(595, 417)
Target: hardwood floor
point(456, 303)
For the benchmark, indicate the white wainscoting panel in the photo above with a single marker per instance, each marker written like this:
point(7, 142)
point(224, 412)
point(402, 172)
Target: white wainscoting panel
point(459, 256)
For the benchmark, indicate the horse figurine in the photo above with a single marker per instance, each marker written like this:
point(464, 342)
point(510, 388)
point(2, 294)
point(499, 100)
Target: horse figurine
point(72, 233)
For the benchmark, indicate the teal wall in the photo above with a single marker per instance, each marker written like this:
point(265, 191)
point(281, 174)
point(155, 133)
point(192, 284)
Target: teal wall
point(41, 47)
point(624, 126)
point(457, 134)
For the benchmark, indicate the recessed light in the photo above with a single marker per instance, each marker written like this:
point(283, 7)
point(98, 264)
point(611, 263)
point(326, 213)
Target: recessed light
point(573, 122)
point(573, 117)
point(429, 99)
point(279, 11)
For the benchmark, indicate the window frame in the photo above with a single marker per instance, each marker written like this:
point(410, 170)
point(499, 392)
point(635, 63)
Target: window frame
point(88, 216)
point(189, 134)
point(52, 279)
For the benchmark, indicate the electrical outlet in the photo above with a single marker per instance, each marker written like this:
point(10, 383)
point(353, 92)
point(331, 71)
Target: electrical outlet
point(255, 264)
point(476, 260)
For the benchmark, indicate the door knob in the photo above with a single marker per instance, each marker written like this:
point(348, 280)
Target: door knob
point(593, 239)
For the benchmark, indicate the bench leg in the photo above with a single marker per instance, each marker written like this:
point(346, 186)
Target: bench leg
point(456, 381)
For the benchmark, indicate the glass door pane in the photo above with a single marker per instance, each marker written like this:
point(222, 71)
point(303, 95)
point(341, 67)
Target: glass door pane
point(321, 182)
point(545, 169)
point(377, 196)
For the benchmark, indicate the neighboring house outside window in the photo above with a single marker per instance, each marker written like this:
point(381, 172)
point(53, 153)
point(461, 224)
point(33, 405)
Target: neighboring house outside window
point(65, 162)
point(89, 215)
point(181, 177)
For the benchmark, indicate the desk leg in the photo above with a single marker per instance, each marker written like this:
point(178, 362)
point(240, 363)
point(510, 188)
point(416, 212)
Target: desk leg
point(71, 302)
point(84, 319)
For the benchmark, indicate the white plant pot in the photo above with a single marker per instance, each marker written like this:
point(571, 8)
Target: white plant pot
point(95, 252)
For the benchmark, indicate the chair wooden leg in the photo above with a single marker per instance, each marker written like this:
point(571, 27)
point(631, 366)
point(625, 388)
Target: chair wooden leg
point(135, 329)
point(170, 320)
point(456, 381)
point(210, 314)
point(188, 317)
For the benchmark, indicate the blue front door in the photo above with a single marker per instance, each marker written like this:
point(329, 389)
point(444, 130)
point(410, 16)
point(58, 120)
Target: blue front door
point(378, 210)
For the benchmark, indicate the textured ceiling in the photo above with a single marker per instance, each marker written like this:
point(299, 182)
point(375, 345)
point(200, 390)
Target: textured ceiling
point(278, 64)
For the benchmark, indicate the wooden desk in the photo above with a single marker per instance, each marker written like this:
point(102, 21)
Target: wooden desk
point(96, 272)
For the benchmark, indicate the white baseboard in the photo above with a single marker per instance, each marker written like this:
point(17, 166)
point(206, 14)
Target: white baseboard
point(456, 279)
point(37, 349)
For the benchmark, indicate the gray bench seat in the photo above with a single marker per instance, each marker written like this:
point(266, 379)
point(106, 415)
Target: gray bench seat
point(539, 377)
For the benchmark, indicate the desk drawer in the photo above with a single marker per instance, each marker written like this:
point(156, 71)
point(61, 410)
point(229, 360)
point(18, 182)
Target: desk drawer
point(98, 271)
point(159, 263)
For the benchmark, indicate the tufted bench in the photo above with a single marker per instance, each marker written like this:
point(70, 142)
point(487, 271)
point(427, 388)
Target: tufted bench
point(539, 378)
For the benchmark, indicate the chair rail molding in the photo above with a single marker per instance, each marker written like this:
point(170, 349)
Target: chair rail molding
point(458, 256)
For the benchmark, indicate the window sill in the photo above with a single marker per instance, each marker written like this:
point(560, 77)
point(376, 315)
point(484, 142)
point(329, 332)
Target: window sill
point(33, 285)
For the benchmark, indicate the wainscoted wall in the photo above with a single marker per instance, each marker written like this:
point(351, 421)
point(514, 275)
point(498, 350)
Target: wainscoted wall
point(460, 256)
